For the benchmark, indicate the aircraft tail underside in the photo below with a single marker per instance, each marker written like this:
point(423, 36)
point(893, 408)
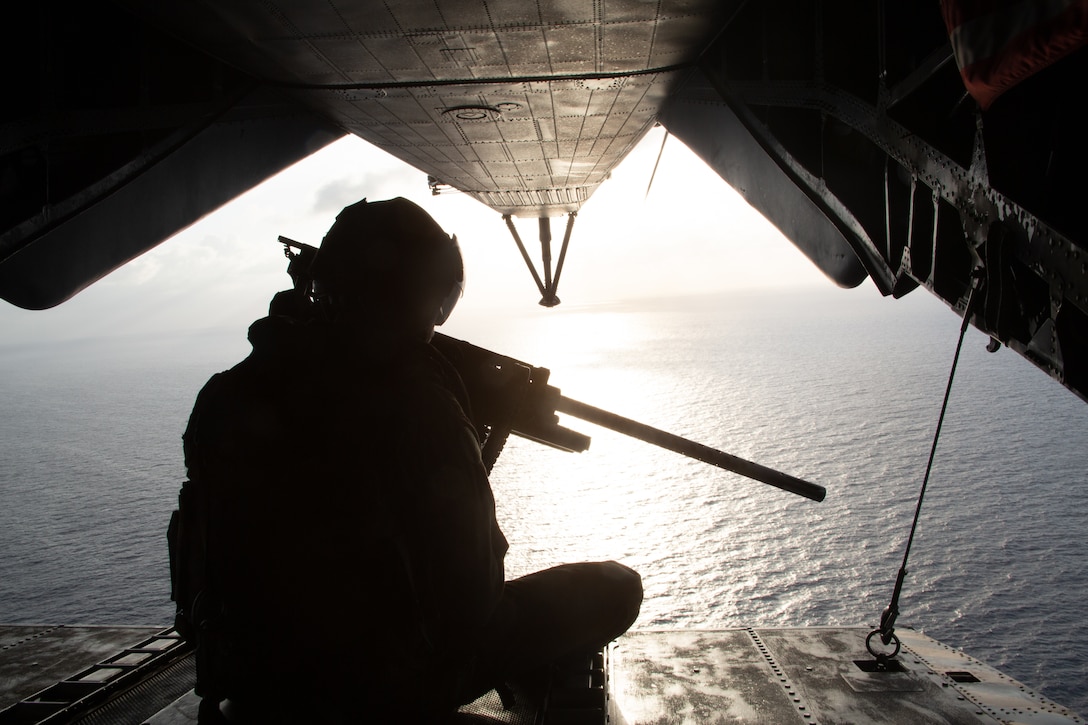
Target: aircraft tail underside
point(915, 145)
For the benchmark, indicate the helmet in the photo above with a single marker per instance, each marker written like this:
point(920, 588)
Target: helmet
point(392, 254)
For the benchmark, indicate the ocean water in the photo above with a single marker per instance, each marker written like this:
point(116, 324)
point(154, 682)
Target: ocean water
point(841, 388)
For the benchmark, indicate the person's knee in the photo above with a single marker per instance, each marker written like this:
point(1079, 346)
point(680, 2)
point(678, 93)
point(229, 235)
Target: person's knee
point(627, 592)
point(627, 580)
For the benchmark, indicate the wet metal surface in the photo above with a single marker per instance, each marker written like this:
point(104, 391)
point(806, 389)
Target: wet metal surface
point(33, 657)
point(809, 675)
point(774, 676)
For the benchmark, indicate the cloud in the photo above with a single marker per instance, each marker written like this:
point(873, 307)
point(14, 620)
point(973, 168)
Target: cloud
point(381, 182)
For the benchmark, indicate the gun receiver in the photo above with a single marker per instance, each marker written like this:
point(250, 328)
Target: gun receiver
point(510, 396)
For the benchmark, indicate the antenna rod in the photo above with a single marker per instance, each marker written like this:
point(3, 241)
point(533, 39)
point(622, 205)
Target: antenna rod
point(654, 172)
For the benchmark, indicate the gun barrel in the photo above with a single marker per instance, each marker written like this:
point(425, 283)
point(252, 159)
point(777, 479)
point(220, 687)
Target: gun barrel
point(691, 449)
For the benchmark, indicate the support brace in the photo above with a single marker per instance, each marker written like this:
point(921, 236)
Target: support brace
point(550, 282)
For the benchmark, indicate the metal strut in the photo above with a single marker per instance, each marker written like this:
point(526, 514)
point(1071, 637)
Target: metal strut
point(550, 282)
point(886, 630)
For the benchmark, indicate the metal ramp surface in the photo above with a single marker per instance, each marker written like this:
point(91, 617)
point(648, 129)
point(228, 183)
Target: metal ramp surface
point(140, 676)
point(810, 675)
point(575, 694)
point(64, 674)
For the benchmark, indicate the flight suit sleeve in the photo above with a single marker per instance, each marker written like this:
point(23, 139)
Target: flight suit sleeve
point(454, 541)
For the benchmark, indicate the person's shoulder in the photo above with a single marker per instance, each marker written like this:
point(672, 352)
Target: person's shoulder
point(426, 394)
point(282, 349)
point(280, 340)
point(427, 372)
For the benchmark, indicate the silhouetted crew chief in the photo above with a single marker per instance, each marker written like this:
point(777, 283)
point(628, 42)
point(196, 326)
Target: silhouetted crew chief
point(354, 562)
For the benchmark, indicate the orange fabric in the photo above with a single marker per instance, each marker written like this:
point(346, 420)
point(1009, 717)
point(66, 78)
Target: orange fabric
point(999, 43)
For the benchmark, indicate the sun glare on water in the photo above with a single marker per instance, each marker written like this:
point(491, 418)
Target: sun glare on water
point(623, 499)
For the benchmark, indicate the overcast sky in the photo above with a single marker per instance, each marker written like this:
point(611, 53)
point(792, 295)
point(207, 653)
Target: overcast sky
point(692, 234)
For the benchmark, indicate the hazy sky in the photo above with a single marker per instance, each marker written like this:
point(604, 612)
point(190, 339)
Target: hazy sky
point(692, 234)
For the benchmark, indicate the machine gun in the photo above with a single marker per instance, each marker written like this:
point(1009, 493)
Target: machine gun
point(509, 396)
